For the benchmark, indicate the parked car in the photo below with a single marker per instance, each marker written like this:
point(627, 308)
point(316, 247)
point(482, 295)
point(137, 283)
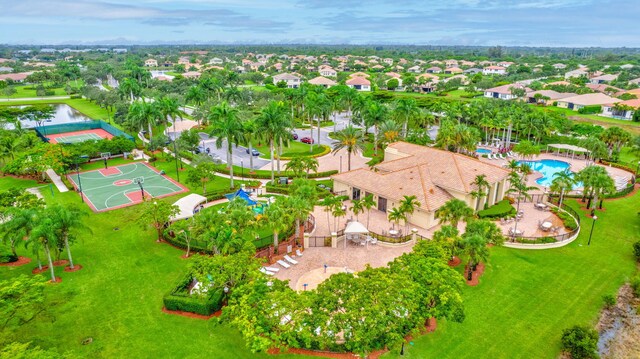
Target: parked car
point(307, 140)
point(254, 152)
point(294, 135)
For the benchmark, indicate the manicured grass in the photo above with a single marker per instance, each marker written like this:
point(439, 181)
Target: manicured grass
point(30, 91)
point(88, 108)
point(294, 148)
point(527, 297)
point(7, 182)
point(633, 127)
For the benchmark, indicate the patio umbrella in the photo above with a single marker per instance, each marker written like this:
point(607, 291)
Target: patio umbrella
point(354, 228)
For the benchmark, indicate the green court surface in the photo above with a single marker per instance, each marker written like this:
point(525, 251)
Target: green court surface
point(79, 138)
point(115, 187)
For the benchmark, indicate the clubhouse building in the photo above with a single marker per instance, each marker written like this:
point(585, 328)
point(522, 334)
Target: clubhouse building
point(434, 176)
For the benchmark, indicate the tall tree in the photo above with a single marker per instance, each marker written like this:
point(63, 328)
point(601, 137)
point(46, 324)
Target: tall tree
point(453, 211)
point(157, 214)
point(278, 220)
point(273, 123)
point(226, 126)
point(351, 139)
point(406, 110)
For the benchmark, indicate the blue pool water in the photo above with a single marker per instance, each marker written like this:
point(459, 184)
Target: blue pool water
point(483, 151)
point(548, 168)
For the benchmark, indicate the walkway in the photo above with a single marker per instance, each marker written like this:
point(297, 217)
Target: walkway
point(57, 180)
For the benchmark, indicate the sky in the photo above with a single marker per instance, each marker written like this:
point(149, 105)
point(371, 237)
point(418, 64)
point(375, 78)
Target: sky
point(571, 23)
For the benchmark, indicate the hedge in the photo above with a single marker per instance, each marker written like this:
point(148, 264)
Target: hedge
point(590, 109)
point(499, 210)
point(619, 165)
point(568, 221)
point(7, 257)
point(284, 189)
point(325, 150)
point(179, 299)
point(541, 240)
point(267, 174)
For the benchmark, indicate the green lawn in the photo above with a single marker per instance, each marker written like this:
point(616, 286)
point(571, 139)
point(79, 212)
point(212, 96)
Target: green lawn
point(633, 127)
point(523, 302)
point(30, 91)
point(526, 297)
point(88, 108)
point(295, 148)
point(7, 182)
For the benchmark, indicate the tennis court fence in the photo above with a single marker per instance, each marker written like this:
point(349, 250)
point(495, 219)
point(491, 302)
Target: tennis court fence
point(43, 131)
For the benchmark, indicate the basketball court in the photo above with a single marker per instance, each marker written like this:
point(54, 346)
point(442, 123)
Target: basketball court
point(124, 185)
point(79, 136)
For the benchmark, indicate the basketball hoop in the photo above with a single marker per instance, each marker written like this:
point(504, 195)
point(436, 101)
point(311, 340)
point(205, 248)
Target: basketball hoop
point(105, 156)
point(139, 181)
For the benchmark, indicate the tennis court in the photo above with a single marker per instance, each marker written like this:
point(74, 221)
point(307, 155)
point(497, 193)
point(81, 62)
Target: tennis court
point(117, 187)
point(79, 136)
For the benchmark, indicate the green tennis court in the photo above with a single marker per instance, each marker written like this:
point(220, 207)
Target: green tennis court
point(117, 187)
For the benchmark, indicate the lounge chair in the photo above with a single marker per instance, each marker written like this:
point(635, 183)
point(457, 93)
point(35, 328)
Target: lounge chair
point(298, 253)
point(289, 259)
point(265, 271)
point(373, 241)
point(283, 263)
point(490, 156)
point(501, 156)
point(272, 269)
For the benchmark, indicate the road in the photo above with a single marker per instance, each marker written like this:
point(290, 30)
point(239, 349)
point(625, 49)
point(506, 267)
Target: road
point(240, 155)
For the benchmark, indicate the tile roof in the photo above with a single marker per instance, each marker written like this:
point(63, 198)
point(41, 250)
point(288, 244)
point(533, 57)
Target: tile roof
point(590, 99)
point(322, 81)
point(425, 172)
point(358, 81)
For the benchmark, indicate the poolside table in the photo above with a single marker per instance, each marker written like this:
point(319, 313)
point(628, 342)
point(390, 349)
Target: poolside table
point(540, 205)
point(546, 226)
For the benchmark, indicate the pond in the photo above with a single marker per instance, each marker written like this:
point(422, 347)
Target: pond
point(62, 114)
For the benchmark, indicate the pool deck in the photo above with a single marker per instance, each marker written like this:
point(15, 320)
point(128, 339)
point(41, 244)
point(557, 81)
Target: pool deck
point(576, 165)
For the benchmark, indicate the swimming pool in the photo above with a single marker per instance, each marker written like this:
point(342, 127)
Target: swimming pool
point(483, 151)
point(548, 168)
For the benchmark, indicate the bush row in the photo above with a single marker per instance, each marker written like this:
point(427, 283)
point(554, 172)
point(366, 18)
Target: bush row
point(541, 240)
point(180, 299)
point(499, 210)
point(267, 175)
point(284, 189)
point(568, 221)
point(618, 165)
point(325, 150)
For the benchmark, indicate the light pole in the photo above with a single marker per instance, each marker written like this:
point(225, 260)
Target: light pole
point(595, 218)
point(79, 180)
point(340, 163)
point(175, 152)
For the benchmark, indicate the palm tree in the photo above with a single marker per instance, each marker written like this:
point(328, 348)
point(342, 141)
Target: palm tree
point(299, 209)
point(128, 88)
point(44, 234)
point(351, 139)
point(17, 226)
point(481, 183)
point(357, 207)
point(338, 210)
point(450, 236)
point(348, 96)
point(406, 109)
point(562, 182)
point(169, 108)
point(408, 205)
point(142, 114)
point(389, 131)
point(374, 114)
point(196, 95)
point(278, 219)
point(273, 123)
point(296, 166)
point(250, 134)
point(329, 202)
point(396, 215)
point(475, 246)
point(67, 220)
point(225, 125)
point(368, 203)
point(596, 182)
point(310, 164)
point(10, 145)
point(453, 211)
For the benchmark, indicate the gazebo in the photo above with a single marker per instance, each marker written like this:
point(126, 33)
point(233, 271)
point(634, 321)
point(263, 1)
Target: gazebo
point(568, 148)
point(354, 230)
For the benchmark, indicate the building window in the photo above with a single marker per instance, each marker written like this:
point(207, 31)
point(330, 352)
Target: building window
point(355, 193)
point(382, 204)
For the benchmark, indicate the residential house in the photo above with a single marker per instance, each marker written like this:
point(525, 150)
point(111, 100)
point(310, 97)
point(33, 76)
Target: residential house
point(602, 79)
point(472, 71)
point(463, 79)
point(427, 78)
point(432, 175)
point(623, 110)
point(494, 70)
point(184, 61)
point(547, 97)
point(377, 68)
point(635, 81)
point(451, 63)
point(560, 83)
point(17, 77)
point(191, 75)
point(6, 69)
point(120, 51)
point(216, 61)
point(606, 89)
point(359, 83)
point(504, 92)
point(626, 66)
point(435, 62)
point(434, 70)
point(359, 74)
point(453, 70)
point(2, 61)
point(291, 80)
point(360, 63)
point(486, 63)
point(505, 64)
point(591, 99)
point(466, 63)
point(414, 69)
point(322, 81)
point(278, 66)
point(388, 61)
point(559, 66)
point(150, 63)
point(328, 71)
point(582, 71)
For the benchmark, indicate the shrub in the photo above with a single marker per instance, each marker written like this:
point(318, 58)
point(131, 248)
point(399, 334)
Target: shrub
point(590, 109)
point(636, 250)
point(498, 210)
point(75, 96)
point(580, 341)
point(7, 256)
point(180, 299)
point(609, 300)
point(568, 221)
point(635, 285)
